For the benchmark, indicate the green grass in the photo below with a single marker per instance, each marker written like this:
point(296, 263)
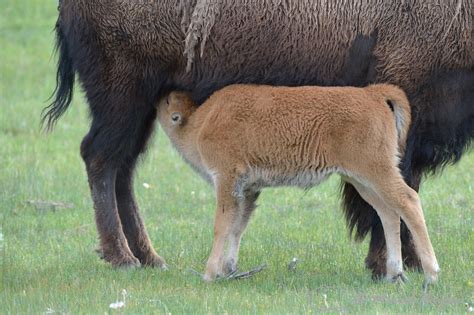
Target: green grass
point(47, 257)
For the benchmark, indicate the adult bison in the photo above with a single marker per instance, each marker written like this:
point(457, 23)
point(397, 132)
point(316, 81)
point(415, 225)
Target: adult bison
point(129, 53)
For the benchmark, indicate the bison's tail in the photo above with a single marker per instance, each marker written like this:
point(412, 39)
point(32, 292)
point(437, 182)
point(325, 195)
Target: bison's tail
point(65, 77)
point(360, 216)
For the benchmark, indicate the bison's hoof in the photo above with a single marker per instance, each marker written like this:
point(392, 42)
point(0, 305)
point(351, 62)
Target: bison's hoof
point(124, 262)
point(99, 252)
point(154, 261)
point(377, 267)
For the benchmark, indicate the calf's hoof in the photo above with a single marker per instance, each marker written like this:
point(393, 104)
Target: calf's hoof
point(212, 273)
point(230, 267)
point(431, 277)
point(208, 277)
point(398, 278)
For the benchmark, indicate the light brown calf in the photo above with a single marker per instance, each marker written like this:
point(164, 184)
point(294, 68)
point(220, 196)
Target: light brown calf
point(247, 137)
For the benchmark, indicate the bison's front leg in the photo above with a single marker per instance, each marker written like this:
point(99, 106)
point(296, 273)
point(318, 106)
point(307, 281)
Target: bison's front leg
point(132, 223)
point(101, 174)
point(120, 128)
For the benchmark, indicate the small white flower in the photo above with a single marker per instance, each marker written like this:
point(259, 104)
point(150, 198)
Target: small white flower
point(325, 299)
point(469, 307)
point(117, 305)
point(146, 185)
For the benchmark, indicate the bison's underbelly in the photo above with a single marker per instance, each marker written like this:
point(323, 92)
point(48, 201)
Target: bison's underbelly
point(319, 43)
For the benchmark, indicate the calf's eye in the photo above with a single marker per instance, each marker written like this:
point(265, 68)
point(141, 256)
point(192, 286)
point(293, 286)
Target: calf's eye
point(175, 117)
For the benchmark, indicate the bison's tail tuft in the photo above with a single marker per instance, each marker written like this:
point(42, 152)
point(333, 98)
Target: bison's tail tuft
point(65, 77)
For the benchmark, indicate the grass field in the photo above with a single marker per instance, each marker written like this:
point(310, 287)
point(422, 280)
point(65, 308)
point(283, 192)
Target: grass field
point(48, 264)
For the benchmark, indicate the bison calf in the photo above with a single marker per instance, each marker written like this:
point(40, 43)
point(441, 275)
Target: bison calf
point(247, 137)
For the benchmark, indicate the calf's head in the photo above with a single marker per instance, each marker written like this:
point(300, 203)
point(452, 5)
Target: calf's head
point(175, 109)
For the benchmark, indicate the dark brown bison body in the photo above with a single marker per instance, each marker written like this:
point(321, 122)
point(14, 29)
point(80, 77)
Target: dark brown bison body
point(128, 54)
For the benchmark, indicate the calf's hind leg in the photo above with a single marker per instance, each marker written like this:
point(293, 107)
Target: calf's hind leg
point(399, 197)
point(390, 221)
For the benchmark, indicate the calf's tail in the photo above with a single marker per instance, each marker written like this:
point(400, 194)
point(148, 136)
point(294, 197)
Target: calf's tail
point(398, 102)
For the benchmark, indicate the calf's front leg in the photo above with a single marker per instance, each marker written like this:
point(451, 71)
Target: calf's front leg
point(226, 213)
point(246, 206)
